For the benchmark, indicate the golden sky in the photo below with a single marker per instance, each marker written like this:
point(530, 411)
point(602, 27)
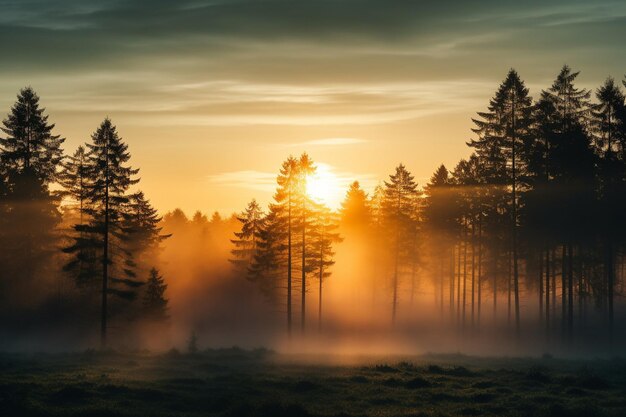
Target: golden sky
point(211, 96)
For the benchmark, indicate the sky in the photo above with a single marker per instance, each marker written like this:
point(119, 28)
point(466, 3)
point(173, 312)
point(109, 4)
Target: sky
point(212, 95)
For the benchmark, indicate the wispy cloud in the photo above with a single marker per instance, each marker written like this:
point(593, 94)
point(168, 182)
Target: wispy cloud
point(327, 142)
point(249, 179)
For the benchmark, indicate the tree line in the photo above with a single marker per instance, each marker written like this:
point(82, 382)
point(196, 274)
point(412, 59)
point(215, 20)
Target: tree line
point(534, 216)
point(78, 210)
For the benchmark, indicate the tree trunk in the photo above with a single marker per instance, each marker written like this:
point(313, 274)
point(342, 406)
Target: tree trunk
point(563, 290)
point(303, 315)
point(452, 280)
point(570, 292)
point(480, 267)
point(105, 255)
point(540, 277)
point(548, 294)
point(289, 264)
point(464, 273)
point(473, 282)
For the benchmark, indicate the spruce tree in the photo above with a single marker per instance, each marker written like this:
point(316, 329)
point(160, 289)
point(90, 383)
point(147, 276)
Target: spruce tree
point(154, 301)
point(29, 145)
point(399, 207)
point(355, 209)
point(287, 197)
point(609, 138)
point(306, 168)
point(269, 266)
point(107, 207)
point(246, 242)
point(30, 157)
point(508, 125)
point(323, 235)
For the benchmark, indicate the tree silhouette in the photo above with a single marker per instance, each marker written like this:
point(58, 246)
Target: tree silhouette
point(507, 125)
point(154, 301)
point(306, 168)
point(30, 156)
point(107, 210)
point(399, 207)
point(323, 236)
point(246, 242)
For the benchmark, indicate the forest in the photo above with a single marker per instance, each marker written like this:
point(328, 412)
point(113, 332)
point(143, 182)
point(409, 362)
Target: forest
point(520, 246)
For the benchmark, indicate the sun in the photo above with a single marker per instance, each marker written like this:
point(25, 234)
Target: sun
point(325, 187)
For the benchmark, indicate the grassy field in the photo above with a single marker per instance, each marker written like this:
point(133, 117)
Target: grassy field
point(234, 382)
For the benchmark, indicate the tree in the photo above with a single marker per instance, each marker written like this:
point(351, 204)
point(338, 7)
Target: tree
point(306, 168)
point(399, 207)
point(107, 210)
point(141, 224)
point(507, 125)
point(270, 262)
point(324, 235)
point(356, 213)
point(29, 158)
point(609, 116)
point(286, 198)
point(246, 242)
point(154, 301)
point(30, 145)
point(74, 180)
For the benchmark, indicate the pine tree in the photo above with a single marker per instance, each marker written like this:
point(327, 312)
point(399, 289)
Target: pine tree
point(287, 197)
point(154, 301)
point(356, 213)
point(30, 145)
point(507, 125)
point(269, 265)
point(306, 168)
point(74, 180)
point(321, 253)
point(609, 138)
point(30, 156)
point(571, 104)
point(440, 226)
point(246, 242)
point(399, 206)
point(141, 223)
point(107, 210)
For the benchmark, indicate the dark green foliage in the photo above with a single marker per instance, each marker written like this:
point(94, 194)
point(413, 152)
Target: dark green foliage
point(29, 143)
point(154, 301)
point(29, 158)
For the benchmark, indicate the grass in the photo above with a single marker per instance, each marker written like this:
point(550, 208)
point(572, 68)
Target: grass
point(233, 382)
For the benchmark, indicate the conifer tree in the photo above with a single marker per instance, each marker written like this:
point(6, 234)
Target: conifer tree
point(609, 132)
point(286, 198)
point(306, 168)
point(355, 208)
point(154, 301)
point(30, 156)
point(507, 125)
point(246, 242)
point(141, 224)
point(269, 265)
point(324, 235)
point(399, 206)
point(29, 145)
point(108, 200)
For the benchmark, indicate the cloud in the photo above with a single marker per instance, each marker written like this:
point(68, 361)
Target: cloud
point(330, 142)
point(248, 179)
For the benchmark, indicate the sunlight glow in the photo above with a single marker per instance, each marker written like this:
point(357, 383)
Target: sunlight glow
point(325, 187)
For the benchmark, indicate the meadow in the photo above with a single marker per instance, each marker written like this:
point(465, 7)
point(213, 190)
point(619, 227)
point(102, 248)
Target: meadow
point(236, 382)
